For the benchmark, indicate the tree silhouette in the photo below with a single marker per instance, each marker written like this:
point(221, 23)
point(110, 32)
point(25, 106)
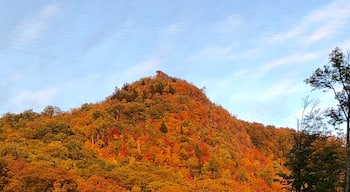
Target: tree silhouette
point(335, 77)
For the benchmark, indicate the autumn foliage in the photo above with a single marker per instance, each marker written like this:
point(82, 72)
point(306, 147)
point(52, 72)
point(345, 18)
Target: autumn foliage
point(157, 134)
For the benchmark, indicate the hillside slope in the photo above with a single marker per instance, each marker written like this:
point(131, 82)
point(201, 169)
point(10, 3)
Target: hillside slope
point(157, 134)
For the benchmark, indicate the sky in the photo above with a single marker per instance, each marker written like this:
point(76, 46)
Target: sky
point(251, 56)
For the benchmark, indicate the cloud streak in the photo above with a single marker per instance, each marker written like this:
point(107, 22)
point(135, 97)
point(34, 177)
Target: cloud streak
point(230, 24)
point(319, 24)
point(33, 27)
point(37, 99)
point(168, 37)
point(144, 67)
point(284, 87)
point(290, 59)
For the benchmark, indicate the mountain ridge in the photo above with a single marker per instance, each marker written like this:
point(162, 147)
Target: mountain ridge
point(159, 133)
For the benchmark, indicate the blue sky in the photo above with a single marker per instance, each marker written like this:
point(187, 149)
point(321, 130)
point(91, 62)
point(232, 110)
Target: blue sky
point(251, 56)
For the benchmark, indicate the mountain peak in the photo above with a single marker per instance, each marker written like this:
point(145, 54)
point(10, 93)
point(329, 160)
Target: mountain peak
point(159, 133)
point(159, 85)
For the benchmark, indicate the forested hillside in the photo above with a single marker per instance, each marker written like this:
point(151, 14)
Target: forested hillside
point(157, 134)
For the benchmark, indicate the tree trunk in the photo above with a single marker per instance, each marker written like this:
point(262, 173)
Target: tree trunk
point(347, 179)
point(299, 185)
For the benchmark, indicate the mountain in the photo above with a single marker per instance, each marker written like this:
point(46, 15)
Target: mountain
point(159, 133)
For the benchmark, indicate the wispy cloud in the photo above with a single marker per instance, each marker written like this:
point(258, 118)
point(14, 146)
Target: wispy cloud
point(238, 74)
point(144, 67)
point(212, 52)
point(174, 28)
point(290, 59)
point(230, 24)
point(37, 99)
point(16, 75)
point(223, 48)
point(33, 27)
point(268, 93)
point(168, 37)
point(227, 53)
point(319, 24)
point(260, 103)
point(218, 87)
point(283, 87)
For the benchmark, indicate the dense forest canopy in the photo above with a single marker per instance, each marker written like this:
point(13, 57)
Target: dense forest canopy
point(159, 133)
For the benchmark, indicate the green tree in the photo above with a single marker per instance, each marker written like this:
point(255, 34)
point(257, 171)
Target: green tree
point(335, 77)
point(213, 168)
point(163, 128)
point(298, 160)
point(316, 160)
point(316, 163)
point(328, 162)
